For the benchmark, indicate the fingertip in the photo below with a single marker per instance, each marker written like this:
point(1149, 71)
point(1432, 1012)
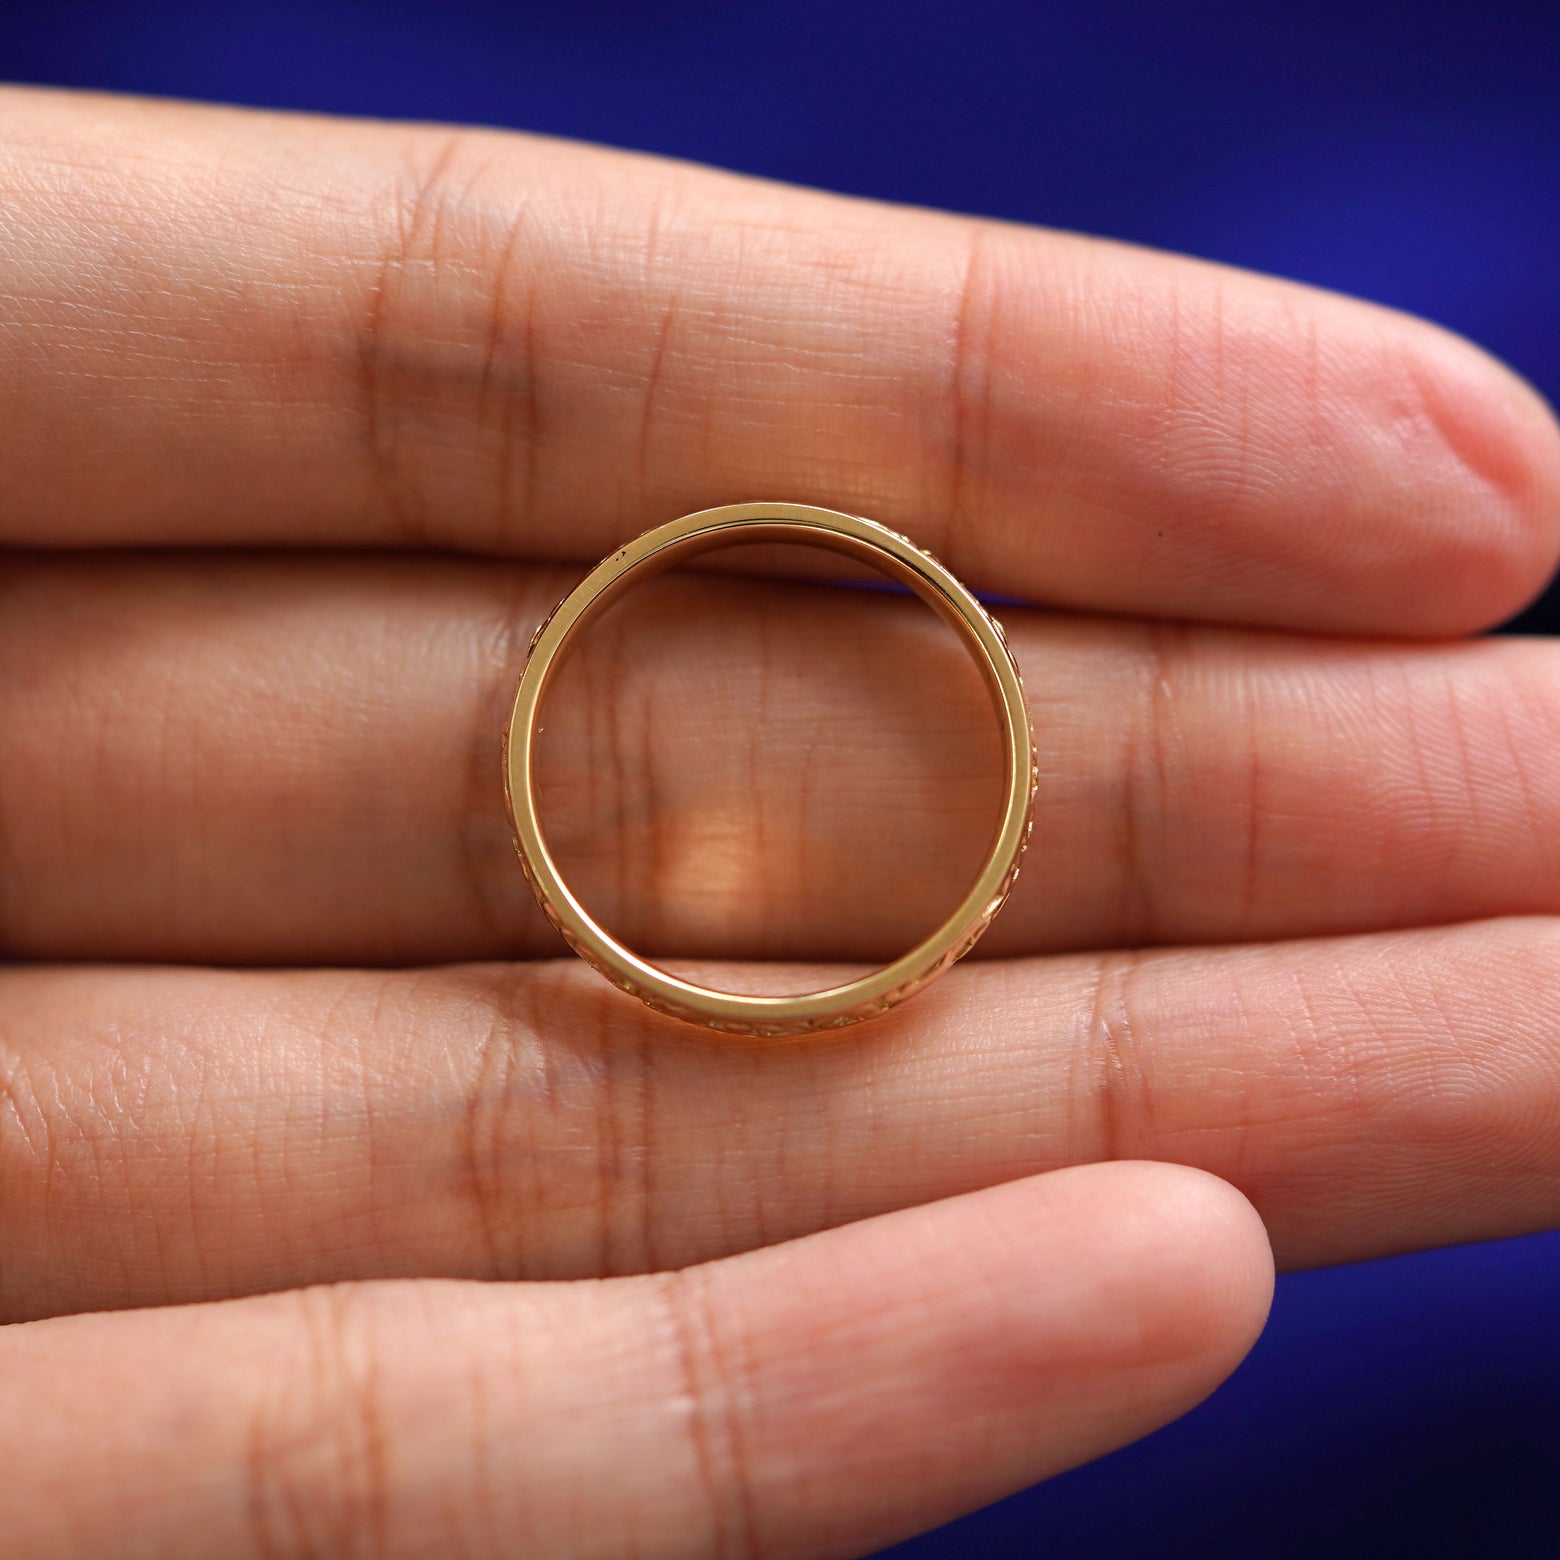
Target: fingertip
point(1206, 1252)
point(1462, 413)
point(1169, 1280)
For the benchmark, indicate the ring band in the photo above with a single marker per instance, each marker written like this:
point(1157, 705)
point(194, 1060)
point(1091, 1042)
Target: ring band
point(773, 1017)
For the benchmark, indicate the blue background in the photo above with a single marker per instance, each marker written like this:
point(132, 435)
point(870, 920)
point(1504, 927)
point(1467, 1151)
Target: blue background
point(1409, 152)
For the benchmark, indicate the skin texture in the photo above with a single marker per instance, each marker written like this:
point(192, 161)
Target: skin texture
point(304, 425)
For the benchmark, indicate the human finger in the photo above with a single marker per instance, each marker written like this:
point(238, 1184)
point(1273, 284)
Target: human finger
point(818, 1399)
point(229, 327)
point(180, 1135)
point(267, 760)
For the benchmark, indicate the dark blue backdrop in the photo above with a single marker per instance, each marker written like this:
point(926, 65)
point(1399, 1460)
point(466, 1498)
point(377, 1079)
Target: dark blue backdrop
point(1406, 150)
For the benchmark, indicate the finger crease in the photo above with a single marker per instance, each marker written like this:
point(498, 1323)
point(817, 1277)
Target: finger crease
point(516, 403)
point(969, 394)
point(713, 1424)
point(1145, 785)
point(418, 211)
point(317, 1459)
point(1112, 1043)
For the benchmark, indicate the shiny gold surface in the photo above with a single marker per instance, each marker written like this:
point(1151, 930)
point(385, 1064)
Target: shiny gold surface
point(774, 1017)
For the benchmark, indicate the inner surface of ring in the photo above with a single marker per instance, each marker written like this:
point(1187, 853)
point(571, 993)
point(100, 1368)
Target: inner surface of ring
point(795, 772)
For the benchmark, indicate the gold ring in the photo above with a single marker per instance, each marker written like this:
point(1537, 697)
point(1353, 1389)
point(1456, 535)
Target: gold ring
point(773, 1017)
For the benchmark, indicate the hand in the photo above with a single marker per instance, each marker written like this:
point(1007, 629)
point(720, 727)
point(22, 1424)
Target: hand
point(469, 364)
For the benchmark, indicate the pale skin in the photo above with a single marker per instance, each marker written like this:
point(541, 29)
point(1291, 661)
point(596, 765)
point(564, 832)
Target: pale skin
point(341, 1213)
